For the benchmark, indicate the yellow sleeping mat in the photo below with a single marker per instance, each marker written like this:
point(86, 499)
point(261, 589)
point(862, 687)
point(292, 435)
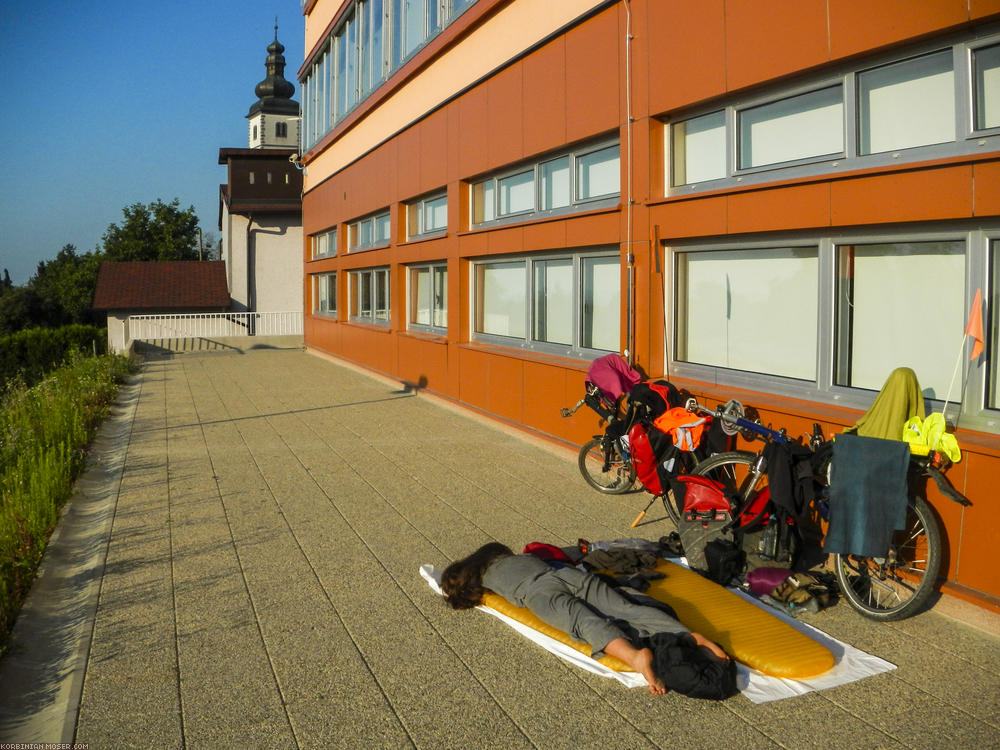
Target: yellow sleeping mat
point(746, 632)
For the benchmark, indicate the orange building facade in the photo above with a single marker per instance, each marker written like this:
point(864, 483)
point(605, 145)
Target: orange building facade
point(774, 201)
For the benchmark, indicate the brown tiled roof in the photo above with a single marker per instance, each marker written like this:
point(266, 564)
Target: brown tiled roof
point(162, 285)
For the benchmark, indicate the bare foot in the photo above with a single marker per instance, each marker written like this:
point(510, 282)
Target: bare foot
point(644, 666)
point(640, 659)
point(712, 646)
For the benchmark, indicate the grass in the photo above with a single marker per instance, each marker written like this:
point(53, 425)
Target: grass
point(44, 434)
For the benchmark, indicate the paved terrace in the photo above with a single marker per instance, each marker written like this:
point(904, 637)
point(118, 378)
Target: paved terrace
point(254, 572)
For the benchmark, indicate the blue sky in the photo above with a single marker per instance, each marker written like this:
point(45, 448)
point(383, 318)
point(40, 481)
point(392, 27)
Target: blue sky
point(117, 102)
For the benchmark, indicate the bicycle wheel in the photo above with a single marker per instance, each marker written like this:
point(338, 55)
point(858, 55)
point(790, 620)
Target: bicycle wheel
point(620, 474)
point(734, 471)
point(897, 585)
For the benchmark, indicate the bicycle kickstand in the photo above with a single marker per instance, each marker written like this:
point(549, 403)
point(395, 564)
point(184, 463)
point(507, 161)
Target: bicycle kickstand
point(642, 513)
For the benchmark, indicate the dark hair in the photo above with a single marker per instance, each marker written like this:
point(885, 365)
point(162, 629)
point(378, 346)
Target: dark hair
point(462, 581)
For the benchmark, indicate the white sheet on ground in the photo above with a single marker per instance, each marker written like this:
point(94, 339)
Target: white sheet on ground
point(850, 664)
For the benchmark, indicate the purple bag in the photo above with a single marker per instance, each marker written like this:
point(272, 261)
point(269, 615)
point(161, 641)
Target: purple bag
point(765, 580)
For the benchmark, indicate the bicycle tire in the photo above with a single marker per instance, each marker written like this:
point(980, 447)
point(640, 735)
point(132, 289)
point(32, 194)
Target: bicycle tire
point(732, 470)
point(897, 586)
point(620, 475)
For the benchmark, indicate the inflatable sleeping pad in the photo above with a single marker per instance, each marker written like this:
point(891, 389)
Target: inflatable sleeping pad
point(746, 632)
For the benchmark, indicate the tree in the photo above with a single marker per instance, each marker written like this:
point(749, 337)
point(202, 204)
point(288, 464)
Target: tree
point(20, 308)
point(158, 231)
point(65, 287)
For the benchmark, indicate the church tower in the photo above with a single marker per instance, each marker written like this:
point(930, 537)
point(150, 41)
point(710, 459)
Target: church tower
point(274, 117)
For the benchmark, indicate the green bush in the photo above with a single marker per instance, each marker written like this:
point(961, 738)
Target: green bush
point(32, 353)
point(44, 434)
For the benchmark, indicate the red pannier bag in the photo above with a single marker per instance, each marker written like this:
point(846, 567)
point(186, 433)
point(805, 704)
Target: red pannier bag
point(644, 452)
point(704, 499)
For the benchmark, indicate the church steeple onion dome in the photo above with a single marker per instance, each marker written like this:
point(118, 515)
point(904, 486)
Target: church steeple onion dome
point(274, 92)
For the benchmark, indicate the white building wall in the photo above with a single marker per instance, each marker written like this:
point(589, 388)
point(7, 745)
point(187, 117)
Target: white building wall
point(276, 242)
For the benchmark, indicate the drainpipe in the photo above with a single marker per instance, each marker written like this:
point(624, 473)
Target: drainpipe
point(629, 256)
point(251, 271)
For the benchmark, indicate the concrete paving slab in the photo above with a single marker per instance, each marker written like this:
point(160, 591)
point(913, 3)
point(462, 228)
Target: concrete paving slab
point(260, 587)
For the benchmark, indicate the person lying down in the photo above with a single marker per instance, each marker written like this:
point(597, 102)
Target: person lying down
point(657, 645)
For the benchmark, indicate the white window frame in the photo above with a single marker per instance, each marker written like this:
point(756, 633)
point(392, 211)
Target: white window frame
point(325, 294)
point(377, 279)
point(416, 213)
point(370, 224)
point(967, 141)
point(528, 342)
point(971, 412)
point(324, 244)
point(491, 213)
point(435, 270)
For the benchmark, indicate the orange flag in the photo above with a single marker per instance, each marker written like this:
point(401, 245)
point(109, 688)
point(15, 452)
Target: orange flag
point(974, 327)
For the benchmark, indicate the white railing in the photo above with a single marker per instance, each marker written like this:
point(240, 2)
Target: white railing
point(213, 325)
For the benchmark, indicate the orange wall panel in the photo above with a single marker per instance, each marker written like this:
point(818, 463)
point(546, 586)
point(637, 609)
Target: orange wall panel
point(407, 166)
point(944, 193)
point(434, 152)
point(986, 188)
point(474, 385)
point(505, 388)
point(505, 108)
point(983, 8)
point(424, 361)
point(545, 392)
point(544, 235)
point(545, 98)
point(860, 25)
point(780, 208)
point(595, 229)
point(691, 218)
point(768, 40)
point(473, 122)
point(679, 34)
point(980, 533)
point(592, 77)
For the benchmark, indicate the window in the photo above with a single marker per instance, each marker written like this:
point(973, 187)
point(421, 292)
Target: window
point(986, 87)
point(281, 129)
point(799, 127)
point(880, 325)
point(374, 39)
point(500, 294)
point(560, 303)
point(727, 303)
point(427, 217)
point(428, 293)
point(369, 232)
point(598, 174)
point(325, 294)
point(991, 321)
point(908, 104)
point(324, 244)
point(935, 103)
point(553, 184)
point(370, 296)
point(699, 148)
point(828, 317)
point(587, 178)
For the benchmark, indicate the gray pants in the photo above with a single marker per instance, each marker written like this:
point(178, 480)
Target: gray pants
point(585, 607)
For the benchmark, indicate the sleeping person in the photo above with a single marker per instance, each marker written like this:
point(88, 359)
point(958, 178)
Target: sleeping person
point(575, 602)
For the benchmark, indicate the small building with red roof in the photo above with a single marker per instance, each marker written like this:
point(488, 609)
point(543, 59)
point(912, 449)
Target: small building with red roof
point(157, 287)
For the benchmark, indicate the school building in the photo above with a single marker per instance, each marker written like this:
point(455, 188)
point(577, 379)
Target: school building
point(778, 201)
